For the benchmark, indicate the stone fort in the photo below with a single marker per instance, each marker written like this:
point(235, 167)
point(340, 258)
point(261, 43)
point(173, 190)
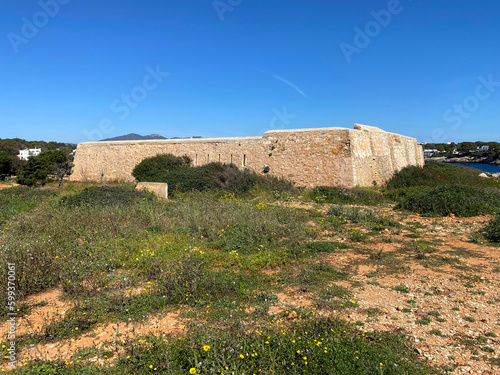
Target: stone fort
point(311, 157)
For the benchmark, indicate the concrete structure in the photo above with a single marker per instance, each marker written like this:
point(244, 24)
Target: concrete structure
point(25, 154)
point(310, 157)
point(159, 188)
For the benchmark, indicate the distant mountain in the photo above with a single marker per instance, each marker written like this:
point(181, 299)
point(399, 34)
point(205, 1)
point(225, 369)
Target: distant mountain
point(134, 137)
point(138, 137)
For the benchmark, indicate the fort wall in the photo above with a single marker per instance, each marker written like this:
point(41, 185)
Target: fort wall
point(310, 157)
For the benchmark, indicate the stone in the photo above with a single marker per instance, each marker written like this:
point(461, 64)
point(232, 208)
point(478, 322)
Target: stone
point(159, 188)
point(363, 156)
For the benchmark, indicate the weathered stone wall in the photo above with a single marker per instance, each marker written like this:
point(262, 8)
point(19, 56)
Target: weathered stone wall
point(310, 157)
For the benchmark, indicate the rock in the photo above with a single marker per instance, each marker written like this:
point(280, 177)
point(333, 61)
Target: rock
point(292, 315)
point(159, 188)
point(484, 175)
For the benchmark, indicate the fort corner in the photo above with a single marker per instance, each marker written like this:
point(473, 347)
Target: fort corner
point(310, 157)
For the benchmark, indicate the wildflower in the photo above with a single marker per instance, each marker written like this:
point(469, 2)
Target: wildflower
point(76, 328)
point(192, 370)
point(242, 356)
point(206, 347)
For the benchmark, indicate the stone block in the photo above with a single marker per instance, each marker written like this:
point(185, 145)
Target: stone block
point(159, 188)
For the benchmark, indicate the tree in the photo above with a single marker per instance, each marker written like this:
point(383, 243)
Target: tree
point(6, 165)
point(39, 169)
point(466, 147)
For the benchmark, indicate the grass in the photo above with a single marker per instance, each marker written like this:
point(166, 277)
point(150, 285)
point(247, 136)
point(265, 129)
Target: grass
point(19, 199)
point(346, 214)
point(401, 289)
point(340, 195)
point(219, 259)
point(314, 346)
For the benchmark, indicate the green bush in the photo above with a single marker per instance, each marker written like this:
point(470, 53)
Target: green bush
point(452, 199)
point(437, 174)
point(413, 176)
point(212, 176)
point(156, 168)
point(492, 230)
point(181, 177)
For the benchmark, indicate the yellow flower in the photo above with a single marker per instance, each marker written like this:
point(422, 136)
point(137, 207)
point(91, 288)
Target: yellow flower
point(242, 356)
point(192, 370)
point(76, 329)
point(206, 347)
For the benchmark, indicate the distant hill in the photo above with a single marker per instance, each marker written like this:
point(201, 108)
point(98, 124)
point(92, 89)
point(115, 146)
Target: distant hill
point(134, 137)
point(13, 145)
point(138, 137)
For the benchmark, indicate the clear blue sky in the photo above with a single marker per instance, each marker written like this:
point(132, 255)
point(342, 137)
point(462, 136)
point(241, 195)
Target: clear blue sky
point(78, 70)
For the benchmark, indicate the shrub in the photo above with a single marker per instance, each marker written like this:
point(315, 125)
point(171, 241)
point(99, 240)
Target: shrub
point(437, 174)
point(492, 230)
point(156, 168)
point(452, 199)
point(212, 176)
point(181, 177)
point(413, 176)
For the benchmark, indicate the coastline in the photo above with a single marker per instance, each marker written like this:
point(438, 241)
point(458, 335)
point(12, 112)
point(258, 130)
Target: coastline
point(466, 159)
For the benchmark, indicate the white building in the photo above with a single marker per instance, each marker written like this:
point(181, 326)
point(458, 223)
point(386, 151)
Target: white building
point(428, 153)
point(484, 148)
point(25, 154)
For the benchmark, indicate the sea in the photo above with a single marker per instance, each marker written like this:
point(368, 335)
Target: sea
point(491, 168)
